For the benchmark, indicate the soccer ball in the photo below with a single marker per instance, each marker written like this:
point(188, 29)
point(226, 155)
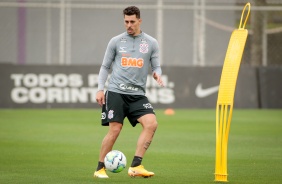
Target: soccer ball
point(115, 161)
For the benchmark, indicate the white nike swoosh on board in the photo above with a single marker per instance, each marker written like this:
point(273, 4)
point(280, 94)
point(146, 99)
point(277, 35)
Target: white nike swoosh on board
point(202, 93)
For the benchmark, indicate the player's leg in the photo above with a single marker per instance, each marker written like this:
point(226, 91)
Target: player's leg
point(107, 145)
point(110, 139)
point(142, 112)
point(113, 113)
point(149, 124)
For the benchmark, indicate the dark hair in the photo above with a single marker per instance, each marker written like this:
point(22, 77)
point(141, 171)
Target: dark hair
point(132, 10)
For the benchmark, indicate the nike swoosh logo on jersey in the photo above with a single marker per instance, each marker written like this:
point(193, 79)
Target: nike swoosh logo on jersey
point(202, 93)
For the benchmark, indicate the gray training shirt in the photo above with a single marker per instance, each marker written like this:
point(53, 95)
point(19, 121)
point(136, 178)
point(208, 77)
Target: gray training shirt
point(130, 58)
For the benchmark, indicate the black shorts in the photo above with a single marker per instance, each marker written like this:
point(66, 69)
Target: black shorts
point(118, 106)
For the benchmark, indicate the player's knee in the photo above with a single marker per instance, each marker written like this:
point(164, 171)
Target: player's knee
point(115, 129)
point(155, 124)
point(152, 125)
point(149, 122)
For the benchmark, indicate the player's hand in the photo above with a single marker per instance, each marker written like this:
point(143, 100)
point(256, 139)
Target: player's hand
point(100, 97)
point(158, 79)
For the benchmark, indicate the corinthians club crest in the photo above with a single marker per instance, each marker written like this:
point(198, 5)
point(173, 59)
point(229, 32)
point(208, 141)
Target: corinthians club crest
point(110, 114)
point(143, 48)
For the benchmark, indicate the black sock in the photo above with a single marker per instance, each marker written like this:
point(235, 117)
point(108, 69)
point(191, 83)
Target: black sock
point(136, 161)
point(100, 166)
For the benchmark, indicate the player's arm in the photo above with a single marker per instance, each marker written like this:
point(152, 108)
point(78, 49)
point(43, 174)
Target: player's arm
point(102, 78)
point(104, 71)
point(155, 64)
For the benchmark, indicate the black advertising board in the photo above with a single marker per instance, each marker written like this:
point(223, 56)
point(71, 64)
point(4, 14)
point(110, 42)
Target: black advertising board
point(40, 86)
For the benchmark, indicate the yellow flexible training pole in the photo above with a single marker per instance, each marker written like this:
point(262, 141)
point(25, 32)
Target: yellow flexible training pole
point(226, 92)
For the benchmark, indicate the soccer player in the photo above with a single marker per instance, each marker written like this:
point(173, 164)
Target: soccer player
point(130, 55)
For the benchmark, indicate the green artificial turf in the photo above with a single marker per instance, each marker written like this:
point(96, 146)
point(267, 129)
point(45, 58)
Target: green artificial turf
point(62, 146)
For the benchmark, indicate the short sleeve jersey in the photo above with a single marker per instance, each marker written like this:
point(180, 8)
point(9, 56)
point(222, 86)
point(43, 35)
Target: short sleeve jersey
point(130, 58)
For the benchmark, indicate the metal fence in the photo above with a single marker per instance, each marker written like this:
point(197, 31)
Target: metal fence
point(189, 32)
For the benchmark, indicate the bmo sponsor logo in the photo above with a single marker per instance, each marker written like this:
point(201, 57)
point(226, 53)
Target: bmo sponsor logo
point(53, 88)
point(157, 94)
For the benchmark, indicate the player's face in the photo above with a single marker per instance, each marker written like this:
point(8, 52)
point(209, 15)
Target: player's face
point(132, 24)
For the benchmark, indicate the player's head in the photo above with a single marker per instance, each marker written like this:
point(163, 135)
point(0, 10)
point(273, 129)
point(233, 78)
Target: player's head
point(132, 20)
point(132, 10)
